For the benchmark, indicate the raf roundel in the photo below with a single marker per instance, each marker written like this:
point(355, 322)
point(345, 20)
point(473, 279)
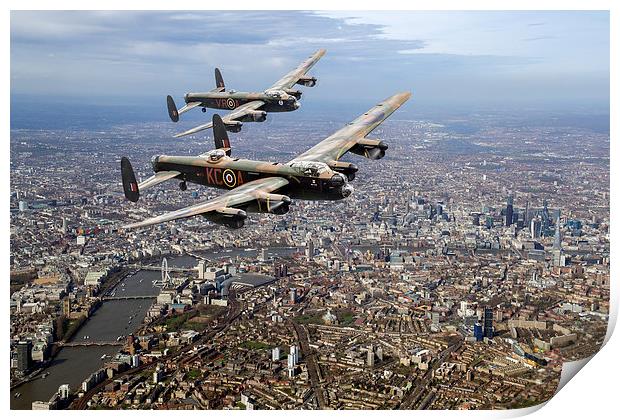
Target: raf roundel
point(229, 178)
point(231, 103)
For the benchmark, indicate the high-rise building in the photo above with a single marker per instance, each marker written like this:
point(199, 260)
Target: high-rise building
point(509, 211)
point(294, 352)
point(24, 355)
point(557, 239)
point(157, 375)
point(290, 361)
point(309, 250)
point(526, 215)
point(536, 228)
point(293, 296)
point(558, 258)
point(275, 354)
point(63, 391)
point(370, 356)
point(202, 268)
point(488, 322)
point(478, 333)
point(546, 219)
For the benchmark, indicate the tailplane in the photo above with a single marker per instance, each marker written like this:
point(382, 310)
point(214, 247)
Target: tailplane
point(172, 109)
point(219, 80)
point(130, 185)
point(220, 135)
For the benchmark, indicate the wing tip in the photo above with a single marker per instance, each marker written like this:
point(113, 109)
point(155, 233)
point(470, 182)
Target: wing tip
point(404, 95)
point(399, 98)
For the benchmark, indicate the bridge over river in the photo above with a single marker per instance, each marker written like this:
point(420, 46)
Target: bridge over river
point(129, 297)
point(159, 268)
point(91, 343)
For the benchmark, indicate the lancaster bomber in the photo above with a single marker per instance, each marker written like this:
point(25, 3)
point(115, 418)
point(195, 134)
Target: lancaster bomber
point(264, 187)
point(247, 106)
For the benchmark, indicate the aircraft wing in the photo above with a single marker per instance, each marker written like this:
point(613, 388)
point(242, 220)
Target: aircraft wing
point(235, 115)
point(339, 143)
point(158, 178)
point(289, 80)
point(227, 203)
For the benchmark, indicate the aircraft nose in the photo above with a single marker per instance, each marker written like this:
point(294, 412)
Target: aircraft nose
point(296, 104)
point(337, 180)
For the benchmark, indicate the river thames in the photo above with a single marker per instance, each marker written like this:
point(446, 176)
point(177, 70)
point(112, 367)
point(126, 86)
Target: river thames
point(113, 319)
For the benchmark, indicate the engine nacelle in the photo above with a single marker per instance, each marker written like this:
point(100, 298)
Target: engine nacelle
point(271, 203)
point(307, 81)
point(346, 168)
point(256, 116)
point(371, 149)
point(293, 92)
point(228, 216)
point(233, 126)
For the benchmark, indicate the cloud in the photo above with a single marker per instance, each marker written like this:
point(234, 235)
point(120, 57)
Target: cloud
point(370, 54)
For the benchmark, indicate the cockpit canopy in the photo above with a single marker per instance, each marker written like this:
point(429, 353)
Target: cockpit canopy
point(274, 93)
point(309, 168)
point(215, 155)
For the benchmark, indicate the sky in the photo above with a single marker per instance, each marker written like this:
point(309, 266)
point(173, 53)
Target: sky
point(471, 58)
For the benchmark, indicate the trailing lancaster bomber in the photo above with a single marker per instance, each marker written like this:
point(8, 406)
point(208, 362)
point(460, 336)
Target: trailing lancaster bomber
point(264, 187)
point(247, 106)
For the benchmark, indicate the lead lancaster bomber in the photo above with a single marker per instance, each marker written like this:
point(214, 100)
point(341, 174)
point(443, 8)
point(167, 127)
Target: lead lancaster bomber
point(247, 106)
point(265, 187)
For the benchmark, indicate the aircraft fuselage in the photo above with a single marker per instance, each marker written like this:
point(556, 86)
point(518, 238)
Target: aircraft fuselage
point(233, 100)
point(228, 173)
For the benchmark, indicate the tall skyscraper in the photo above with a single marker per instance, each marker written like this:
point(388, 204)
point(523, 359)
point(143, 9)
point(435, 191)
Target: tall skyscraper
point(536, 228)
point(509, 211)
point(202, 268)
point(294, 351)
point(546, 219)
point(488, 322)
point(478, 332)
point(310, 250)
point(557, 239)
point(24, 355)
point(370, 356)
point(526, 216)
point(275, 354)
point(293, 296)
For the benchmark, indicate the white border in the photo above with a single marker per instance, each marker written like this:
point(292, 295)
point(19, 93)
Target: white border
point(591, 394)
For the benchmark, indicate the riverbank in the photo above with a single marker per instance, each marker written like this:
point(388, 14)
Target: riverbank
point(71, 365)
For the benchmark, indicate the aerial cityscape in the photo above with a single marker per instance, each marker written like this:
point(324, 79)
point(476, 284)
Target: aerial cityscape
point(466, 267)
